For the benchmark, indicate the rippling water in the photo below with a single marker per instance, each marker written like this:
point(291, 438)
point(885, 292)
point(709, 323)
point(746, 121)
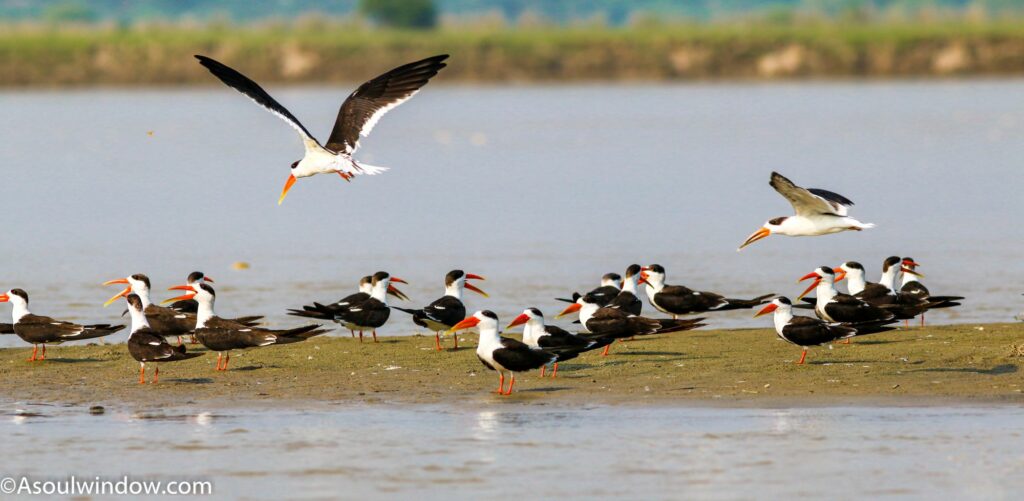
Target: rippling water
point(513, 451)
point(541, 189)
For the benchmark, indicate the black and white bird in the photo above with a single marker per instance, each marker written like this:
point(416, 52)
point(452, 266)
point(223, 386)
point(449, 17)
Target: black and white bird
point(628, 299)
point(502, 354)
point(806, 332)
point(538, 335)
point(678, 300)
point(818, 212)
point(40, 330)
point(223, 336)
point(366, 315)
point(608, 322)
point(611, 284)
point(190, 306)
point(147, 345)
point(332, 311)
point(164, 320)
point(443, 313)
point(858, 285)
point(356, 118)
point(833, 306)
point(912, 290)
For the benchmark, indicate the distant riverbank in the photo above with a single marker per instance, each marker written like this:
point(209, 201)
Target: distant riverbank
point(944, 364)
point(323, 52)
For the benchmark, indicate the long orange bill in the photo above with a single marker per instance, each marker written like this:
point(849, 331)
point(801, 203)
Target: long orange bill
point(397, 293)
point(208, 279)
point(904, 269)
point(572, 308)
point(809, 289)
point(757, 235)
point(475, 289)
point(398, 280)
point(840, 274)
point(4, 298)
point(520, 320)
point(182, 297)
point(643, 277)
point(466, 323)
point(287, 186)
point(808, 276)
point(119, 295)
point(473, 276)
point(907, 262)
point(767, 309)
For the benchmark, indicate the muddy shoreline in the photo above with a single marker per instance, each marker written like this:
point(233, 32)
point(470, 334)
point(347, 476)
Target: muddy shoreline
point(961, 365)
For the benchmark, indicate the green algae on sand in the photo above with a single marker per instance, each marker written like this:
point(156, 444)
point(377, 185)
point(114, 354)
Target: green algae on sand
point(968, 362)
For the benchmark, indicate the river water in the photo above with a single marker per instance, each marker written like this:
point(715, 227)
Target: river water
point(513, 451)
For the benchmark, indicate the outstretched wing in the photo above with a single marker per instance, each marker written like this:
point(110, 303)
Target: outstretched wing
point(364, 107)
point(252, 90)
point(810, 202)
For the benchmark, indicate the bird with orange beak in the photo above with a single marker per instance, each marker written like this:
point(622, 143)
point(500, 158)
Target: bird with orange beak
point(371, 314)
point(818, 212)
point(806, 332)
point(833, 306)
point(502, 354)
point(555, 339)
point(358, 115)
point(443, 313)
point(165, 321)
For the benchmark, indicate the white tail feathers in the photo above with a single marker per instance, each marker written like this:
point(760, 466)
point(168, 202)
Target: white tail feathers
point(865, 226)
point(370, 170)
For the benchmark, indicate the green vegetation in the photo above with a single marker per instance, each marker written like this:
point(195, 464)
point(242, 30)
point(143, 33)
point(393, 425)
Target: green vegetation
point(951, 363)
point(322, 50)
point(411, 14)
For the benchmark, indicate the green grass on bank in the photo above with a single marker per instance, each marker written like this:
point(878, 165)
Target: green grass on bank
point(326, 52)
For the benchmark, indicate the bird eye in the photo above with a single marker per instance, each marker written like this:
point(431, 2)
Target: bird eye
point(295, 164)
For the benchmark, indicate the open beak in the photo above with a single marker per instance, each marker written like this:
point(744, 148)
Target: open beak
point(767, 309)
point(4, 298)
point(907, 262)
point(809, 289)
point(758, 235)
point(465, 324)
point(520, 320)
point(397, 293)
point(840, 273)
point(475, 289)
point(398, 280)
point(904, 269)
point(182, 297)
point(208, 279)
point(572, 308)
point(643, 278)
point(119, 295)
point(287, 186)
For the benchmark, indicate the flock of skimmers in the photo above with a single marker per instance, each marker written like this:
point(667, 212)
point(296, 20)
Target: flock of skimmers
point(607, 313)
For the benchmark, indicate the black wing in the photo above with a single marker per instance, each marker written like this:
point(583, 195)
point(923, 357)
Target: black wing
point(232, 78)
point(807, 331)
point(516, 356)
point(364, 107)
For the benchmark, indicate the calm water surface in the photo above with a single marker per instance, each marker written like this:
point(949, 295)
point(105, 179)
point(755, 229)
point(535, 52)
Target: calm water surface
point(513, 451)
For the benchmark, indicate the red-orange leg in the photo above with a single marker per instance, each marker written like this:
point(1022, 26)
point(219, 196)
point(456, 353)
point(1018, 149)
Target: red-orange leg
point(437, 340)
point(501, 383)
point(511, 384)
point(156, 374)
point(554, 373)
point(605, 352)
point(35, 349)
point(142, 372)
point(802, 357)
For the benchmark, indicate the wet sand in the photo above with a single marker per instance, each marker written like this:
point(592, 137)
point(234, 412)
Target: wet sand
point(959, 364)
